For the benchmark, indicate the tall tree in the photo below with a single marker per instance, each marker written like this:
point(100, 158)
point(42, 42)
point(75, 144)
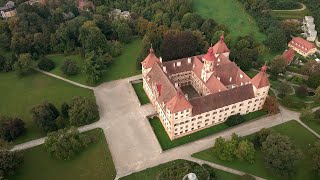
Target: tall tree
point(271, 105)
point(24, 65)
point(83, 111)
point(45, 115)
point(278, 65)
point(11, 128)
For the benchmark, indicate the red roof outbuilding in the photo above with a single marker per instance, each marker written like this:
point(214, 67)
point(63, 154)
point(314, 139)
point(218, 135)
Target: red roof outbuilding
point(302, 44)
point(288, 55)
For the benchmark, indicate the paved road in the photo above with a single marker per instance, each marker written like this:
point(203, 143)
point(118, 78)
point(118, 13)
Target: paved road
point(131, 140)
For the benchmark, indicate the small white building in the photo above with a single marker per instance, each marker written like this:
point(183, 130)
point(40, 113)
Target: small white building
point(309, 28)
point(9, 10)
point(118, 14)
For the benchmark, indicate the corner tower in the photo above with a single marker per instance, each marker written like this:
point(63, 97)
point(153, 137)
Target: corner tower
point(208, 65)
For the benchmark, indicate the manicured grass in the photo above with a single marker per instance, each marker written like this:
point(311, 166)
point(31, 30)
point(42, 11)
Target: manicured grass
point(143, 98)
point(58, 59)
point(122, 67)
point(126, 64)
point(251, 73)
point(152, 173)
point(19, 95)
point(95, 162)
point(290, 14)
point(232, 14)
point(314, 125)
point(166, 143)
point(302, 139)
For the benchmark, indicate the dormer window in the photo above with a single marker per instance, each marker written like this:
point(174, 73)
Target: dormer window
point(218, 78)
point(178, 64)
point(241, 76)
point(230, 79)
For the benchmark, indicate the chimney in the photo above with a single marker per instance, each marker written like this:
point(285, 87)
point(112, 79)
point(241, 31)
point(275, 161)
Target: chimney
point(186, 96)
point(160, 59)
point(189, 60)
point(164, 69)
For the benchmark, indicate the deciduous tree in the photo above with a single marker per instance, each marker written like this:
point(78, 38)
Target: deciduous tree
point(83, 111)
point(24, 65)
point(45, 115)
point(271, 105)
point(11, 128)
point(315, 154)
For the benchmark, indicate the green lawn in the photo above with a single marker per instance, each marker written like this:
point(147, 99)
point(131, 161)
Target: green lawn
point(166, 143)
point(122, 67)
point(143, 98)
point(301, 137)
point(314, 125)
point(290, 14)
point(232, 14)
point(152, 173)
point(93, 163)
point(58, 59)
point(19, 95)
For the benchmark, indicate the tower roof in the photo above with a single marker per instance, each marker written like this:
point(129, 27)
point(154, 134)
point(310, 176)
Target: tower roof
point(220, 47)
point(150, 59)
point(210, 55)
point(261, 79)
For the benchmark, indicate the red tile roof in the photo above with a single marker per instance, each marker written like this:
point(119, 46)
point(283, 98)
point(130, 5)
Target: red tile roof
point(150, 60)
point(178, 103)
point(261, 79)
point(214, 101)
point(302, 44)
point(210, 55)
point(288, 55)
point(220, 47)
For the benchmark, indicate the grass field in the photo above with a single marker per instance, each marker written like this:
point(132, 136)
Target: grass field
point(166, 143)
point(19, 95)
point(152, 173)
point(95, 162)
point(143, 98)
point(230, 13)
point(290, 14)
point(302, 139)
point(314, 125)
point(122, 67)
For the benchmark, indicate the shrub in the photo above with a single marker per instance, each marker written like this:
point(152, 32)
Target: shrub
point(83, 111)
point(261, 136)
point(45, 115)
point(11, 128)
point(46, 64)
point(10, 161)
point(64, 110)
point(70, 67)
point(65, 143)
point(292, 102)
point(235, 120)
point(302, 91)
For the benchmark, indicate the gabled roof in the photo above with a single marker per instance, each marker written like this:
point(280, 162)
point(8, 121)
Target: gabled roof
point(178, 103)
point(149, 61)
point(214, 85)
point(222, 59)
point(173, 68)
point(261, 79)
point(302, 44)
point(288, 55)
point(214, 101)
point(220, 47)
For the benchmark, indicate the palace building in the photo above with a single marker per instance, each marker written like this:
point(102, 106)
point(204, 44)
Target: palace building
point(302, 46)
point(198, 92)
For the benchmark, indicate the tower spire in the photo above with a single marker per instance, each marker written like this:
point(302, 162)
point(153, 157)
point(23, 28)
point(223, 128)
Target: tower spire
point(151, 50)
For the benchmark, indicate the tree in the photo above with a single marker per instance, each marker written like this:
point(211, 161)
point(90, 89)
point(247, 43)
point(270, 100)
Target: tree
point(315, 154)
point(235, 120)
point(95, 65)
point(313, 80)
point(46, 64)
point(278, 65)
point(83, 111)
point(317, 96)
point(276, 40)
point(65, 143)
point(64, 110)
point(245, 151)
point(70, 67)
point(124, 32)
point(24, 65)
point(302, 91)
point(225, 150)
point(280, 154)
point(271, 105)
point(180, 45)
point(10, 161)
point(11, 128)
point(116, 48)
point(45, 115)
point(306, 115)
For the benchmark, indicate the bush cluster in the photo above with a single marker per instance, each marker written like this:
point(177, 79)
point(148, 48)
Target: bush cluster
point(235, 120)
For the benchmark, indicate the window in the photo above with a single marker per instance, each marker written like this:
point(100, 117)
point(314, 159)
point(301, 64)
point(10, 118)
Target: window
point(186, 130)
point(175, 124)
point(192, 128)
point(241, 104)
point(206, 120)
point(199, 117)
point(226, 109)
point(186, 126)
point(225, 114)
point(193, 119)
point(256, 100)
point(207, 115)
point(181, 123)
point(181, 127)
point(232, 112)
point(199, 122)
point(175, 129)
point(175, 133)
point(206, 124)
point(214, 113)
point(221, 110)
point(199, 126)
point(249, 102)
point(233, 107)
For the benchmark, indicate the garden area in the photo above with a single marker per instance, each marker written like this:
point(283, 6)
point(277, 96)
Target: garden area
point(184, 165)
point(21, 94)
point(122, 66)
point(232, 14)
point(95, 162)
point(302, 140)
point(142, 96)
point(166, 143)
